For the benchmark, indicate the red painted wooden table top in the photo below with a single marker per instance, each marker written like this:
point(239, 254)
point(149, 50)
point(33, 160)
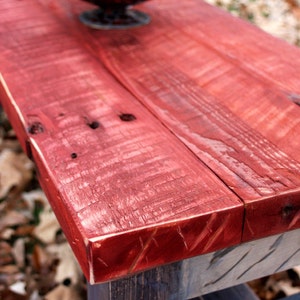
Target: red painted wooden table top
point(157, 143)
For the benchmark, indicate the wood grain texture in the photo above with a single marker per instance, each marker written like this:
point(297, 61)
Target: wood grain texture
point(127, 193)
point(159, 143)
point(226, 97)
point(207, 273)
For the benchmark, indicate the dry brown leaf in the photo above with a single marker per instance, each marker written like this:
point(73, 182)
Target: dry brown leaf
point(18, 251)
point(9, 295)
point(5, 253)
point(15, 171)
point(24, 230)
point(62, 292)
point(286, 287)
point(295, 7)
point(7, 233)
point(47, 228)
point(12, 218)
point(9, 274)
point(68, 267)
point(31, 197)
point(40, 258)
point(18, 288)
point(9, 269)
point(297, 271)
point(12, 144)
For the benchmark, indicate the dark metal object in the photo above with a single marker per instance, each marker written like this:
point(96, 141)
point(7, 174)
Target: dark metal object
point(114, 14)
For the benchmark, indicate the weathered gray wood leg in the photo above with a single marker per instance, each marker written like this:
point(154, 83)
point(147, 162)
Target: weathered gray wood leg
point(156, 284)
point(104, 292)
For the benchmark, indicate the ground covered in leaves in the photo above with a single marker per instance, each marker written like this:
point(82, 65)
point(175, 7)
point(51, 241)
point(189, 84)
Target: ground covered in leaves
point(35, 259)
point(280, 18)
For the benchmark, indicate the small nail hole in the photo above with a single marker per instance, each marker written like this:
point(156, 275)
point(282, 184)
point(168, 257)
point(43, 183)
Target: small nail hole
point(287, 211)
point(36, 128)
point(74, 155)
point(94, 125)
point(67, 282)
point(127, 117)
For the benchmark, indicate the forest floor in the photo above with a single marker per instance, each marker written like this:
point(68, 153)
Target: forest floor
point(35, 259)
point(280, 18)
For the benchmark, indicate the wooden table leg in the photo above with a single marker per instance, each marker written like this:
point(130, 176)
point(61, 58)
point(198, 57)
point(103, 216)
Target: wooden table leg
point(158, 283)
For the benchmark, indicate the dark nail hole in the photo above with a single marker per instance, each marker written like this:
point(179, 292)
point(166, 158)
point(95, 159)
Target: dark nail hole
point(74, 155)
point(36, 128)
point(127, 117)
point(67, 282)
point(287, 211)
point(94, 125)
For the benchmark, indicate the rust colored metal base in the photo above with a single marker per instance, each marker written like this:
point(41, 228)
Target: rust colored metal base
point(114, 19)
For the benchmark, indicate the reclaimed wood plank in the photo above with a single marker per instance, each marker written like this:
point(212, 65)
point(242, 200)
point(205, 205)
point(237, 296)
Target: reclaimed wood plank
point(123, 187)
point(207, 273)
point(233, 113)
point(268, 60)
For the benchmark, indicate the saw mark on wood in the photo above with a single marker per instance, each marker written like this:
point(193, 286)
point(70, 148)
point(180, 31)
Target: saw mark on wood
point(295, 219)
point(217, 233)
point(141, 253)
point(182, 237)
point(229, 270)
point(277, 242)
point(207, 231)
point(217, 256)
point(256, 263)
point(286, 261)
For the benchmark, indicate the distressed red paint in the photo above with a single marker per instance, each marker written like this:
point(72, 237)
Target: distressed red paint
point(187, 134)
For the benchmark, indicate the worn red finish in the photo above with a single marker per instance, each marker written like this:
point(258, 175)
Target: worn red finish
point(158, 143)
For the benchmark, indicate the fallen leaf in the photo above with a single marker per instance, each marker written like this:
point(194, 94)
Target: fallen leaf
point(62, 292)
point(47, 228)
point(5, 254)
point(11, 144)
point(33, 196)
point(35, 296)
point(287, 288)
point(40, 258)
point(297, 271)
point(24, 230)
point(7, 233)
point(18, 251)
point(15, 171)
point(18, 288)
point(9, 295)
point(10, 274)
point(9, 269)
point(68, 267)
point(12, 218)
